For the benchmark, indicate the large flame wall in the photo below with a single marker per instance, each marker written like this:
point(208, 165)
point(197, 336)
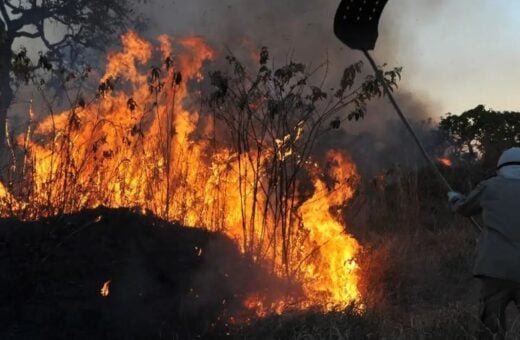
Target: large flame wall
point(145, 146)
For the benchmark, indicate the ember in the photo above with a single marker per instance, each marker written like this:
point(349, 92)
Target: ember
point(105, 289)
point(446, 162)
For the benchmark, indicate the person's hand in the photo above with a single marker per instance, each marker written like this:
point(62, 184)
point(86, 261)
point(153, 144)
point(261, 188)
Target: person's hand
point(454, 197)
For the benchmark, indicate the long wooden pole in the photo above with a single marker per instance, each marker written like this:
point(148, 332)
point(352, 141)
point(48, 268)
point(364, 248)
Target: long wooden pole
point(412, 132)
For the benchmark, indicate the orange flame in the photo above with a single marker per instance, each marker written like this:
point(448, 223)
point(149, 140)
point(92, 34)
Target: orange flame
point(146, 147)
point(105, 289)
point(446, 162)
point(332, 276)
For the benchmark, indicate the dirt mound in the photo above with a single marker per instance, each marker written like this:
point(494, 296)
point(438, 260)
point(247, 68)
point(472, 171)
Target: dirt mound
point(166, 281)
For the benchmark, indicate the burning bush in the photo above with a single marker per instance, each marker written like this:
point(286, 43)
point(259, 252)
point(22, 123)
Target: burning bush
point(239, 161)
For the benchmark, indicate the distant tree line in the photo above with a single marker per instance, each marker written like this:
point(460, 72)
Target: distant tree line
point(480, 135)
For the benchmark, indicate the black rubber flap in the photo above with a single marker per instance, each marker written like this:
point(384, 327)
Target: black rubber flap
point(356, 23)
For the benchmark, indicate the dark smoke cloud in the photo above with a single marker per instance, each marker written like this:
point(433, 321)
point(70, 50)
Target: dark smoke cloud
point(302, 30)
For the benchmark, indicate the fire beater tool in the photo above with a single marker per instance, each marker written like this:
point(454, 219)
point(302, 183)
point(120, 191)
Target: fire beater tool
point(357, 25)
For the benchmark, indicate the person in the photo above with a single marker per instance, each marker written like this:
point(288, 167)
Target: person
point(497, 262)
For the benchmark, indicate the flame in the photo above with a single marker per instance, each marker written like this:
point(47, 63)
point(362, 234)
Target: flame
point(4, 194)
point(147, 146)
point(332, 276)
point(446, 162)
point(105, 289)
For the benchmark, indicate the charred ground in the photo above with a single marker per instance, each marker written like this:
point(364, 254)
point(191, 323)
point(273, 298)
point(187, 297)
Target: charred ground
point(165, 280)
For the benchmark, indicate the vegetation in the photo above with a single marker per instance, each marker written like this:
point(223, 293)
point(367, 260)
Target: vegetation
point(417, 256)
point(275, 117)
point(416, 267)
point(480, 135)
point(85, 24)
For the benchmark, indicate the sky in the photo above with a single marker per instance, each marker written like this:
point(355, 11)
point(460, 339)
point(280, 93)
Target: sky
point(458, 53)
point(455, 54)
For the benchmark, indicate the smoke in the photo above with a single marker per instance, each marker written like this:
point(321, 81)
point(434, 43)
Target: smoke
point(302, 30)
point(293, 24)
point(226, 280)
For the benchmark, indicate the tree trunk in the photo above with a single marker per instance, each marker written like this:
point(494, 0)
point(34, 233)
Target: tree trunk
point(6, 92)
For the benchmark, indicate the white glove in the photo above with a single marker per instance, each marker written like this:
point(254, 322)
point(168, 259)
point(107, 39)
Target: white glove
point(454, 197)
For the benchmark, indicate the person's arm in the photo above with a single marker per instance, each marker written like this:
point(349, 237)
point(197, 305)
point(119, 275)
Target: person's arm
point(470, 205)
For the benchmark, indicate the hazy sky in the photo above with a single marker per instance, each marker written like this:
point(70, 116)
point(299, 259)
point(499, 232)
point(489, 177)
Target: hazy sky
point(455, 54)
point(460, 53)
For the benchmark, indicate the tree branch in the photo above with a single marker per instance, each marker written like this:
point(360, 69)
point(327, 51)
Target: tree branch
point(48, 44)
point(27, 35)
point(5, 16)
point(10, 5)
point(31, 16)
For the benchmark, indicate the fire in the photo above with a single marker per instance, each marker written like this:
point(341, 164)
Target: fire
point(333, 276)
point(146, 145)
point(105, 289)
point(446, 162)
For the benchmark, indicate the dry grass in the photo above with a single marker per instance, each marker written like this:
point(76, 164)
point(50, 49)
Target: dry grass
point(416, 266)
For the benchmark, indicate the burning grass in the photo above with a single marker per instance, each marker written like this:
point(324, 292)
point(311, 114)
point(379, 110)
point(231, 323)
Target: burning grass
point(416, 269)
point(240, 161)
point(163, 285)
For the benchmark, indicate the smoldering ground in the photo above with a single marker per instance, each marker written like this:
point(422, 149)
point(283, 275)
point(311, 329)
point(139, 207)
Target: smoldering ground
point(165, 280)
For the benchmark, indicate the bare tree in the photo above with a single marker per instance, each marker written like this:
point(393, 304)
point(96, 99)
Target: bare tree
point(275, 117)
point(84, 23)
